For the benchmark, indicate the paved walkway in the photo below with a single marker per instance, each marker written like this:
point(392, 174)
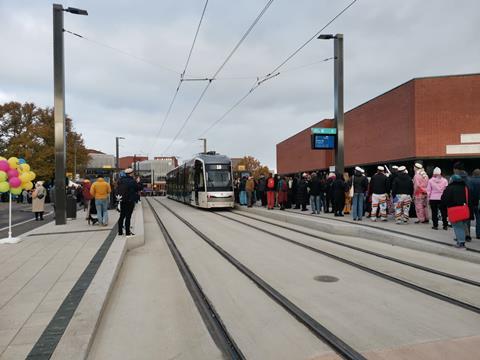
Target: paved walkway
point(37, 274)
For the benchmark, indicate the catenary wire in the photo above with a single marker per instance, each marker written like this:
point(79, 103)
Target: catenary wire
point(182, 75)
point(275, 72)
point(220, 68)
point(149, 62)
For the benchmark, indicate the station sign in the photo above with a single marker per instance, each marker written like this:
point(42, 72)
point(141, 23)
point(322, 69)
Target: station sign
point(324, 131)
point(323, 142)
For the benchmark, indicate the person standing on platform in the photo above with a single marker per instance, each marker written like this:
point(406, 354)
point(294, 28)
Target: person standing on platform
point(339, 188)
point(302, 192)
point(86, 195)
point(360, 187)
point(475, 189)
point(38, 200)
point(270, 192)
point(250, 188)
point(435, 188)
point(420, 182)
point(127, 189)
point(455, 195)
point(314, 186)
point(459, 169)
point(261, 186)
point(329, 193)
point(348, 194)
point(243, 192)
point(282, 192)
point(379, 189)
point(402, 191)
point(100, 191)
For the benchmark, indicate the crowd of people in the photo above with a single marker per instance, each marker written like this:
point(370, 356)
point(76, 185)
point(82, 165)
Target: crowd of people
point(453, 201)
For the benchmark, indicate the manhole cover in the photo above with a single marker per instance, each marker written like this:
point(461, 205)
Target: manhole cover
point(325, 278)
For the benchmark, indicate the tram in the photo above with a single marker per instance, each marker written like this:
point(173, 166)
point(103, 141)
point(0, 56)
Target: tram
point(204, 181)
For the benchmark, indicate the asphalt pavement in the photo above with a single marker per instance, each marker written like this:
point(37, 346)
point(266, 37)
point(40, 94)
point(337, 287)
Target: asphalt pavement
point(23, 219)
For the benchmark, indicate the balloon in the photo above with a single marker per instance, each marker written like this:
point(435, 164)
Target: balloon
point(25, 167)
point(21, 161)
point(32, 175)
point(4, 166)
point(3, 176)
point(16, 190)
point(12, 173)
point(2, 158)
point(28, 186)
point(24, 177)
point(15, 182)
point(13, 162)
point(4, 186)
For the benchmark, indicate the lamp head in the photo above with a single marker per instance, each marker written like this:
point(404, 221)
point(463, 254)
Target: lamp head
point(76, 11)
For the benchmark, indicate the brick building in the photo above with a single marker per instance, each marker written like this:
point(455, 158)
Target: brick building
point(128, 161)
point(434, 119)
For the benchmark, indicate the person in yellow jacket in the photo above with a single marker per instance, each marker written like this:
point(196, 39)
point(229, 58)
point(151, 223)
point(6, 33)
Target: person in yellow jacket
point(100, 190)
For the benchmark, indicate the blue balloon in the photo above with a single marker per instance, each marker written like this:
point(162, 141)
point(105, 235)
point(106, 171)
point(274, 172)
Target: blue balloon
point(21, 161)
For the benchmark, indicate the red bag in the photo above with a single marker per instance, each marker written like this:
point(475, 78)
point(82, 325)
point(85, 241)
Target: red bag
point(270, 183)
point(459, 213)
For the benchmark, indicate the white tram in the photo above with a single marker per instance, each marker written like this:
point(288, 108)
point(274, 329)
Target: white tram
point(205, 181)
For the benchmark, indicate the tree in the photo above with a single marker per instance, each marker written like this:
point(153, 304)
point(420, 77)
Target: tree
point(27, 131)
point(253, 166)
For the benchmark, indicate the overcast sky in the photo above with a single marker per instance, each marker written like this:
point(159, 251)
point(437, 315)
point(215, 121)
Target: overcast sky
point(110, 94)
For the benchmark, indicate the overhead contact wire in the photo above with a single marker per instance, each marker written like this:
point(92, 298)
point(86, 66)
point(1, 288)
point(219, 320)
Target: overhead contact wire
point(275, 71)
point(220, 68)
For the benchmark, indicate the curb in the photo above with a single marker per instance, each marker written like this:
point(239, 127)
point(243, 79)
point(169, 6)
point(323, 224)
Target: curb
point(406, 241)
point(79, 334)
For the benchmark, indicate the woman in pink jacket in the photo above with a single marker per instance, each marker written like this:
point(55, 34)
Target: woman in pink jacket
point(436, 186)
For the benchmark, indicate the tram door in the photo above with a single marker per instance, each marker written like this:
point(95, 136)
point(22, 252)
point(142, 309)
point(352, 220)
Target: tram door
point(199, 183)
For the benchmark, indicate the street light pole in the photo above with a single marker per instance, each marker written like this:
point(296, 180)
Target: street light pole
point(117, 164)
point(338, 99)
point(204, 144)
point(59, 110)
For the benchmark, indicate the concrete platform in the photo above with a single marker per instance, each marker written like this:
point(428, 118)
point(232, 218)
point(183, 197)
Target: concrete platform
point(44, 274)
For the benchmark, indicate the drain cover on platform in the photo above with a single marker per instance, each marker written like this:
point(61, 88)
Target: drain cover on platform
point(325, 278)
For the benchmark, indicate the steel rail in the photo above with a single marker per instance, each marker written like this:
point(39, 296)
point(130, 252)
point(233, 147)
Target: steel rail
point(342, 348)
point(373, 253)
point(211, 318)
point(380, 274)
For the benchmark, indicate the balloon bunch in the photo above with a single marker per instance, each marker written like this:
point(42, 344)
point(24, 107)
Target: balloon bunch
point(15, 175)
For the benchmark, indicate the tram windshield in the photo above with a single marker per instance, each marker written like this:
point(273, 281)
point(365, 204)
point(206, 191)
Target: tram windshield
point(219, 177)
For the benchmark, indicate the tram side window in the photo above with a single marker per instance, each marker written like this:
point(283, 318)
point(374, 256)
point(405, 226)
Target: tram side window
point(199, 180)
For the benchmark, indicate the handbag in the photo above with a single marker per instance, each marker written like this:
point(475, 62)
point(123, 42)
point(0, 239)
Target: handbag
point(461, 212)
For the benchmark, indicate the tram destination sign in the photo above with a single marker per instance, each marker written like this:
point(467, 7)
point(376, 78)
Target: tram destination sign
point(324, 131)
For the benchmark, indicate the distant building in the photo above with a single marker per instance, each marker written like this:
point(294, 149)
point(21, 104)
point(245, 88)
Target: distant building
point(127, 161)
point(434, 119)
point(100, 163)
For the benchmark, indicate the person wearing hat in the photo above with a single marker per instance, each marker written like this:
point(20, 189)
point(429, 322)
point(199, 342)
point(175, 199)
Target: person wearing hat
point(100, 191)
point(127, 192)
point(420, 182)
point(379, 189)
point(249, 188)
point(402, 191)
point(359, 183)
point(435, 188)
point(302, 192)
point(38, 200)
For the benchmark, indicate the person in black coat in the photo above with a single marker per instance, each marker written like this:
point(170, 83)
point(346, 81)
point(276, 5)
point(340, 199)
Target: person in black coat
point(302, 193)
point(128, 190)
point(339, 188)
point(454, 195)
point(402, 192)
point(329, 193)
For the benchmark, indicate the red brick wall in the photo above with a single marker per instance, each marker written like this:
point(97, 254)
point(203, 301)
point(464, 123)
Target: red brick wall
point(126, 161)
point(445, 107)
point(381, 129)
point(295, 154)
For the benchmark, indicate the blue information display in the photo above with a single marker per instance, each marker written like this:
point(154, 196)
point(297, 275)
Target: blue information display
point(323, 142)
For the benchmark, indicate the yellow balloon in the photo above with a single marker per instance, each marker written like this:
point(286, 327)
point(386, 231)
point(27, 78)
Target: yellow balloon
point(13, 162)
point(16, 191)
point(28, 186)
point(24, 177)
point(25, 167)
point(2, 158)
point(32, 175)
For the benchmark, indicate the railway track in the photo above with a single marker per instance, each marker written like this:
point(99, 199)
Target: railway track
point(380, 274)
point(213, 320)
point(366, 225)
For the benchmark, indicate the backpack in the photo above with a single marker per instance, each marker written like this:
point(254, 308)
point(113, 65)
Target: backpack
point(270, 183)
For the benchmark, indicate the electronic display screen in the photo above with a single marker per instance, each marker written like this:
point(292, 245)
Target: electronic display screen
point(323, 141)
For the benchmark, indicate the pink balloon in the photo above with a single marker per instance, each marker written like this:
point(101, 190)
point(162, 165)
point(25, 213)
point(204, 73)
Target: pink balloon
point(12, 173)
point(14, 182)
point(4, 165)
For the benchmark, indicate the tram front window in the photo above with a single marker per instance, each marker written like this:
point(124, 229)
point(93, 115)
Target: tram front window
point(219, 178)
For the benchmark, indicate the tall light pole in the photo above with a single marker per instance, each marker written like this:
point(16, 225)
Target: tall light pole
point(204, 144)
point(74, 159)
point(117, 163)
point(338, 98)
point(59, 112)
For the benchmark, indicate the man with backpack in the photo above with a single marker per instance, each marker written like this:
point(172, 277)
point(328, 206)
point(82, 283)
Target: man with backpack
point(270, 192)
point(127, 191)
